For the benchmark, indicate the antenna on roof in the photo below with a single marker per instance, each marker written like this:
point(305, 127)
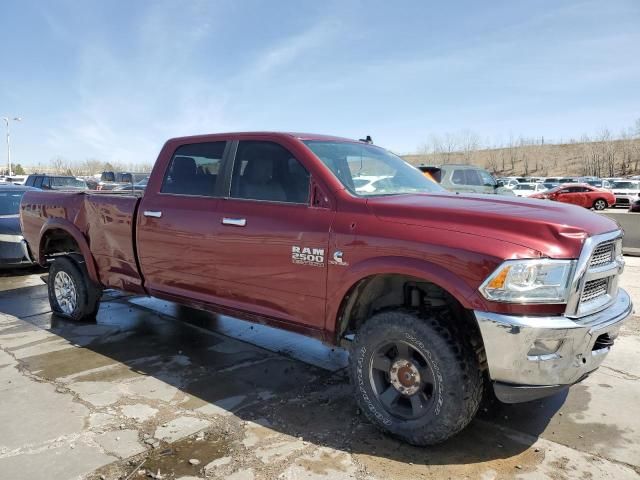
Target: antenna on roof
point(368, 140)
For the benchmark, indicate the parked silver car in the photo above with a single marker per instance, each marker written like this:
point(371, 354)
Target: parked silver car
point(465, 179)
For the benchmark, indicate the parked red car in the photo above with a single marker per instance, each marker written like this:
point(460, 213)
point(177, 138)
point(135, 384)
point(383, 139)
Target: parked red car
point(581, 194)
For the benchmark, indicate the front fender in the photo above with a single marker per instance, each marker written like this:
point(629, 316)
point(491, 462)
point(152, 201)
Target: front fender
point(390, 265)
point(73, 231)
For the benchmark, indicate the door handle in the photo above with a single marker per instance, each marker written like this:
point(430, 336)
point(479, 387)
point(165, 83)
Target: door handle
point(150, 213)
point(236, 222)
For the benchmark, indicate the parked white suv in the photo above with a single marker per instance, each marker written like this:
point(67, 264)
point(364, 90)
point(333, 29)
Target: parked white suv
point(626, 192)
point(528, 189)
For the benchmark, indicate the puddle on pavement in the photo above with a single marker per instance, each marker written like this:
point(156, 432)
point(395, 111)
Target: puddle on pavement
point(171, 461)
point(175, 459)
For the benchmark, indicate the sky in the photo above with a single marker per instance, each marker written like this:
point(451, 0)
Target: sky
point(112, 80)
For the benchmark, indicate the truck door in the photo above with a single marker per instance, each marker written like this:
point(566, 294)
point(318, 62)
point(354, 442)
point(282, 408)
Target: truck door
point(177, 223)
point(272, 245)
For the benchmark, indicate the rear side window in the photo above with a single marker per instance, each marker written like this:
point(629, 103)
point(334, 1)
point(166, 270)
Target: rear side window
point(268, 171)
point(38, 182)
point(473, 178)
point(195, 170)
point(466, 177)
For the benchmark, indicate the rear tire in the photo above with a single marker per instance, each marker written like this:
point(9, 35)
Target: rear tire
point(413, 378)
point(600, 204)
point(72, 294)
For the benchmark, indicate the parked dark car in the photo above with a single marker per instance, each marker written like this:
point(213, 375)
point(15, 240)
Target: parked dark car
point(635, 206)
point(13, 248)
point(55, 182)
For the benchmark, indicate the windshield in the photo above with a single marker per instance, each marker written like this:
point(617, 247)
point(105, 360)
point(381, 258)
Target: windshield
point(350, 162)
point(67, 182)
point(10, 202)
point(525, 187)
point(627, 185)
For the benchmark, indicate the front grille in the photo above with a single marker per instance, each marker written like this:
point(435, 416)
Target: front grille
point(622, 201)
point(603, 254)
point(594, 289)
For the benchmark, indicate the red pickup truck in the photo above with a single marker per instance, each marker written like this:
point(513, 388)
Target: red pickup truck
point(438, 296)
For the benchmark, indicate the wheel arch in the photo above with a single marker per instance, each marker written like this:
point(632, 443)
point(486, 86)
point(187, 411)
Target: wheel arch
point(59, 236)
point(397, 281)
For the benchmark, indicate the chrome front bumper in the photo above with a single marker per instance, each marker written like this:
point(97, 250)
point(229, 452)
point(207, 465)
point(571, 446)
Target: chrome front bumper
point(539, 355)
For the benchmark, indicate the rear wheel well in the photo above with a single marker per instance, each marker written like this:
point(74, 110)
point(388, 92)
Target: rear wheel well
point(393, 292)
point(57, 242)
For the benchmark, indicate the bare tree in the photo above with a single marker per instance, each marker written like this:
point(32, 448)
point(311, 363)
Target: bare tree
point(492, 161)
point(469, 143)
point(450, 144)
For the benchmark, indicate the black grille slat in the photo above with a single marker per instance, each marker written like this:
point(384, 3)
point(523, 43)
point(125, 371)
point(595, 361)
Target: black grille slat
point(603, 341)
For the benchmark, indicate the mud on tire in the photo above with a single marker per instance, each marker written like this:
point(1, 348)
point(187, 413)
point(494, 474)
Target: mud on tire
point(72, 294)
point(413, 378)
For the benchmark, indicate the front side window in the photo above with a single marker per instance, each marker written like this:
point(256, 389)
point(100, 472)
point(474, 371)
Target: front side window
point(194, 170)
point(486, 178)
point(349, 161)
point(268, 171)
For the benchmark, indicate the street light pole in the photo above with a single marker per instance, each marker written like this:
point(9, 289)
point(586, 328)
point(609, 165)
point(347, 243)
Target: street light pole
point(6, 121)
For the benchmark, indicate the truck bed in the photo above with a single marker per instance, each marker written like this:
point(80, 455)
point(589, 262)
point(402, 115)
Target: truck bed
point(105, 222)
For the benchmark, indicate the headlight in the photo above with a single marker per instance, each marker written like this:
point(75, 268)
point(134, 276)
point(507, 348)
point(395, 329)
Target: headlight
point(10, 238)
point(529, 281)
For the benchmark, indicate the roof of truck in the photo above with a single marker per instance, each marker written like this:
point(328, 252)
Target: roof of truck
point(298, 135)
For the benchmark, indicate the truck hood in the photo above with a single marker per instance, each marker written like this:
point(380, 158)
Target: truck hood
point(554, 229)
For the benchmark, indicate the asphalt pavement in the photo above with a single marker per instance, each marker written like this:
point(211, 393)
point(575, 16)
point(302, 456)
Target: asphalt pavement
point(153, 390)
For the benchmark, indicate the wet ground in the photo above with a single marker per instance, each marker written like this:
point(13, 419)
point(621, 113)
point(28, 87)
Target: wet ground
point(153, 390)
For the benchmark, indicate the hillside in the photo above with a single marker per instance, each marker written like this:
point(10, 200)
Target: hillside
point(602, 159)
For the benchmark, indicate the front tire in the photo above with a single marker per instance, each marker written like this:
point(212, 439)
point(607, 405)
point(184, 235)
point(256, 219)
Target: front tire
point(413, 378)
point(600, 204)
point(72, 295)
